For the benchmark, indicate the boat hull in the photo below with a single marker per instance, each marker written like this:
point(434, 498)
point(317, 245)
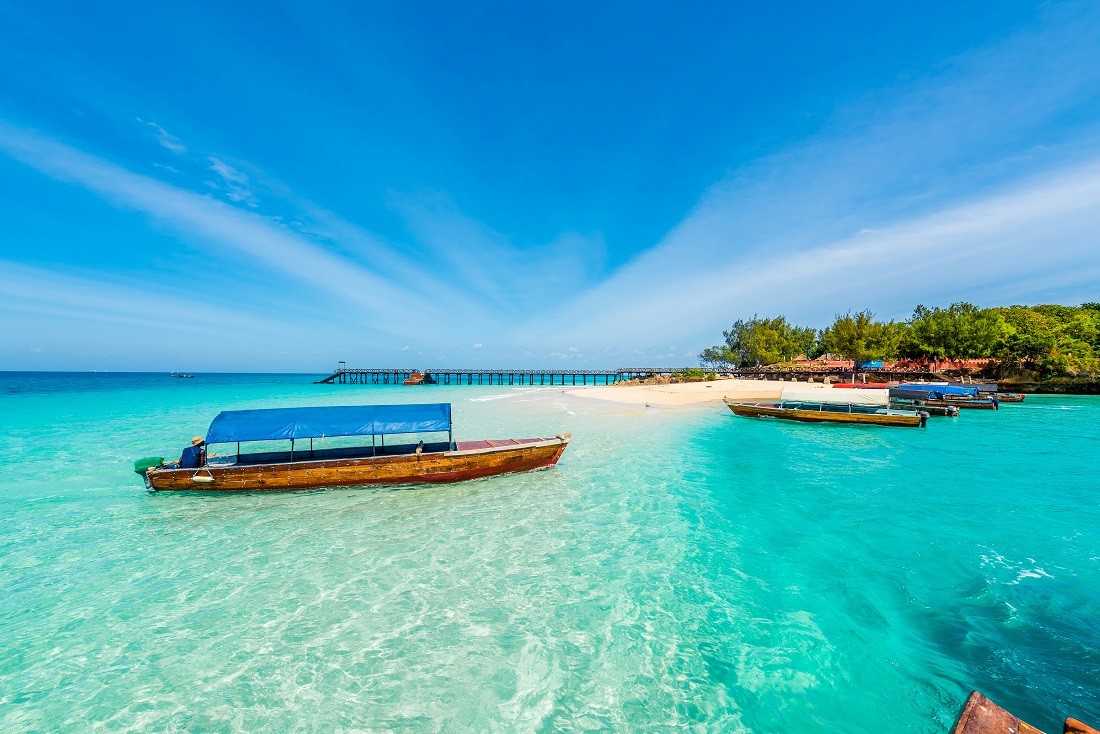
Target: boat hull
point(932, 410)
point(968, 404)
point(823, 416)
point(444, 467)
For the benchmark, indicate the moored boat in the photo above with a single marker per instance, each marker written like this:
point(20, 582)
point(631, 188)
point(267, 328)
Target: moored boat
point(1010, 397)
point(401, 462)
point(948, 411)
point(941, 395)
point(415, 378)
point(867, 407)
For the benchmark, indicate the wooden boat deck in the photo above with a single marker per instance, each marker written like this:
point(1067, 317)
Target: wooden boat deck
point(863, 415)
point(982, 716)
point(393, 465)
point(493, 443)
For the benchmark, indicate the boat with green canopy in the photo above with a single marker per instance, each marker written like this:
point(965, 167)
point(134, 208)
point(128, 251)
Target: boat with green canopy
point(299, 448)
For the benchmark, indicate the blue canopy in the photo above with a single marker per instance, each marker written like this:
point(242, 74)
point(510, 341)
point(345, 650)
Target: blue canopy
point(962, 391)
point(344, 420)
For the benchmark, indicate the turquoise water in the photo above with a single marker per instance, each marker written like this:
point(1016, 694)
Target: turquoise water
point(678, 570)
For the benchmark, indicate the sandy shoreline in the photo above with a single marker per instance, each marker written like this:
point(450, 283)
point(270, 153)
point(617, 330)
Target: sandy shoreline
point(690, 393)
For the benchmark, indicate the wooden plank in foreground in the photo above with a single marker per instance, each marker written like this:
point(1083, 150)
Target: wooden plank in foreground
point(982, 716)
point(1073, 726)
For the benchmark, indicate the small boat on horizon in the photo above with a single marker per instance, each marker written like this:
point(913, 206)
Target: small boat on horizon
point(824, 406)
point(404, 462)
point(182, 376)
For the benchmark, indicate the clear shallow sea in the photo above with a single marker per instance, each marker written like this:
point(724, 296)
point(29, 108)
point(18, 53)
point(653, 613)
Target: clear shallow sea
point(678, 570)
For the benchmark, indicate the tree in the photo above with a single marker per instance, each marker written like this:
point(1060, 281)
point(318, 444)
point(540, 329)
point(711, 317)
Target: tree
point(960, 331)
point(760, 341)
point(1053, 340)
point(1027, 334)
point(714, 357)
point(859, 337)
point(1050, 340)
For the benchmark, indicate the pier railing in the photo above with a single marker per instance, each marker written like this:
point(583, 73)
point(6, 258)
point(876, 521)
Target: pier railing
point(467, 376)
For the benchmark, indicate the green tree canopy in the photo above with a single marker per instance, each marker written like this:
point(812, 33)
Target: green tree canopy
point(1054, 340)
point(859, 337)
point(1051, 340)
point(761, 341)
point(962, 330)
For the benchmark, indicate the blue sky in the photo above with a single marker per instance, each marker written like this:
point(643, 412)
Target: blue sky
point(270, 187)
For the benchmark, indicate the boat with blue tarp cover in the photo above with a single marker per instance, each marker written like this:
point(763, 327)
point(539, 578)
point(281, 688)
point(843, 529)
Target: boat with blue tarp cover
point(932, 394)
point(337, 453)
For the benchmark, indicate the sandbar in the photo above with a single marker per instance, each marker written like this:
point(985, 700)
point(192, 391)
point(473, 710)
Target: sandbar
point(690, 393)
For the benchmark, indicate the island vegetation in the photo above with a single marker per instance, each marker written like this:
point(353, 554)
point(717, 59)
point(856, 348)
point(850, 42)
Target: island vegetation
point(1023, 343)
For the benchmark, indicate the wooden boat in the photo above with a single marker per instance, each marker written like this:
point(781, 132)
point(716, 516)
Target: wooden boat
point(1010, 397)
point(917, 404)
point(943, 411)
point(819, 406)
point(374, 463)
point(982, 716)
point(415, 378)
point(971, 403)
point(941, 396)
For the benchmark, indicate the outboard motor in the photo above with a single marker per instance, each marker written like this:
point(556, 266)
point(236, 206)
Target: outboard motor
point(142, 466)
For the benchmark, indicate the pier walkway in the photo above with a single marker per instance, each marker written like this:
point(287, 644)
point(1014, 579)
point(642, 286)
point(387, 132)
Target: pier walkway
point(388, 376)
point(442, 376)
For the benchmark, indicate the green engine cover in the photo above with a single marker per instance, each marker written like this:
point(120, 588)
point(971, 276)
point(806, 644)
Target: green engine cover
point(149, 462)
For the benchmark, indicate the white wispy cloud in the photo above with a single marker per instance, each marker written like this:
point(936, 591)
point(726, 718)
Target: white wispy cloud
point(408, 266)
point(1002, 247)
point(165, 138)
point(90, 298)
point(510, 279)
point(923, 194)
point(226, 171)
point(236, 184)
point(206, 221)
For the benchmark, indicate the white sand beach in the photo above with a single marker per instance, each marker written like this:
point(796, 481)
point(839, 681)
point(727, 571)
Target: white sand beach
point(690, 393)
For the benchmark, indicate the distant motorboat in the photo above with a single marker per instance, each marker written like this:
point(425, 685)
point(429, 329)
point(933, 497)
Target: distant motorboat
point(182, 376)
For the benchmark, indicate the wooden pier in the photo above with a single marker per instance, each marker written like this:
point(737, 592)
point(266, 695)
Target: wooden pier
point(344, 375)
point(386, 376)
